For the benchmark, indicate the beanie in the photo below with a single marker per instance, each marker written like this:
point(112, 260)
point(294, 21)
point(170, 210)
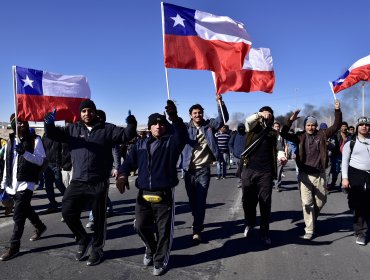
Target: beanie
point(362, 120)
point(267, 108)
point(156, 118)
point(310, 119)
point(323, 126)
point(87, 103)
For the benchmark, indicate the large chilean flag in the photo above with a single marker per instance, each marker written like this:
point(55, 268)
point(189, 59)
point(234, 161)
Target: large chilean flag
point(202, 41)
point(39, 92)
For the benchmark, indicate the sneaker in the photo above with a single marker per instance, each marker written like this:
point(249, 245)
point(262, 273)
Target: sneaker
point(9, 253)
point(307, 236)
point(95, 257)
point(158, 270)
point(62, 220)
point(247, 230)
point(278, 189)
point(147, 260)
point(90, 224)
point(82, 251)
point(51, 210)
point(361, 239)
point(38, 233)
point(218, 178)
point(222, 177)
point(197, 238)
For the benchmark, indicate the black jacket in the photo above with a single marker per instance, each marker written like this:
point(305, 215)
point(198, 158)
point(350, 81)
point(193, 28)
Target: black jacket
point(91, 151)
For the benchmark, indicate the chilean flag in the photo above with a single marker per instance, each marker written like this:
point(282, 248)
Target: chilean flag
point(257, 74)
point(359, 71)
point(39, 92)
point(202, 41)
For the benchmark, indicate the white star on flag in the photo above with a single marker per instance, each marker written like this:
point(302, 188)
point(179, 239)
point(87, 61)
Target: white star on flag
point(27, 82)
point(178, 20)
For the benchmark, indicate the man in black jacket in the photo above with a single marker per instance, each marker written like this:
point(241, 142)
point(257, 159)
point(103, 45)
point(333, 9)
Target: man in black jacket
point(90, 142)
point(156, 158)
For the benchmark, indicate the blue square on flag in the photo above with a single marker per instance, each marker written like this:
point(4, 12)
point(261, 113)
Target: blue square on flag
point(178, 20)
point(29, 81)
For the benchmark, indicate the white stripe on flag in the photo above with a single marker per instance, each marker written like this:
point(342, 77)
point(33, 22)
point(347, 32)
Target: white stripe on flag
point(259, 59)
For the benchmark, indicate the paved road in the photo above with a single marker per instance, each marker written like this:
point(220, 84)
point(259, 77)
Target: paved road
point(225, 255)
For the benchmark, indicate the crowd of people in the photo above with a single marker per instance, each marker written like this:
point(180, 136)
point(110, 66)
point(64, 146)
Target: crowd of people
point(79, 159)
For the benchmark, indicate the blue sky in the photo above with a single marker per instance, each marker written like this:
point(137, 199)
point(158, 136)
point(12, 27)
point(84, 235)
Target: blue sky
point(118, 46)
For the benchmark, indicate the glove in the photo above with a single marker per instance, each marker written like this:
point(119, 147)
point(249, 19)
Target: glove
point(171, 110)
point(122, 183)
point(131, 120)
point(19, 149)
point(50, 117)
point(12, 124)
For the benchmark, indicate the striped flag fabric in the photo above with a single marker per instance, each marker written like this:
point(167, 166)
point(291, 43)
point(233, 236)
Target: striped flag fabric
point(38, 92)
point(198, 40)
point(359, 71)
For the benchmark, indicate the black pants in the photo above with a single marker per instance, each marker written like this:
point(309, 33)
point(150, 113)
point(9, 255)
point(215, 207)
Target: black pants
point(154, 224)
point(76, 196)
point(22, 211)
point(359, 199)
point(257, 188)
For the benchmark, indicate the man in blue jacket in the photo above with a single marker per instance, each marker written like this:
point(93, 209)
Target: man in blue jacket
point(156, 157)
point(236, 147)
point(90, 142)
point(199, 153)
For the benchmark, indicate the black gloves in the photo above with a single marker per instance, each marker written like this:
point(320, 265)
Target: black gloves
point(171, 110)
point(50, 117)
point(19, 149)
point(131, 120)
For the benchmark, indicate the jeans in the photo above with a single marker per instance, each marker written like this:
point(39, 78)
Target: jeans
point(197, 184)
point(53, 175)
point(222, 163)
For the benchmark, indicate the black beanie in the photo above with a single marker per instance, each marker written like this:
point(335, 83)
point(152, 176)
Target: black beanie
point(156, 118)
point(267, 108)
point(88, 103)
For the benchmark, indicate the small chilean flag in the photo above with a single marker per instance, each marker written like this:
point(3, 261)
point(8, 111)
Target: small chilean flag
point(257, 74)
point(39, 92)
point(359, 71)
point(202, 41)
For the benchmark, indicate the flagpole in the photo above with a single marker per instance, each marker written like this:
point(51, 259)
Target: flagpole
point(165, 68)
point(15, 100)
point(218, 101)
point(363, 98)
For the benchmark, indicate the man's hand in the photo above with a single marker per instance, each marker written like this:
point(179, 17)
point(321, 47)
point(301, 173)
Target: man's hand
point(218, 98)
point(283, 161)
point(115, 173)
point(50, 117)
point(295, 115)
point(131, 120)
point(337, 104)
point(345, 184)
point(19, 149)
point(122, 183)
point(171, 110)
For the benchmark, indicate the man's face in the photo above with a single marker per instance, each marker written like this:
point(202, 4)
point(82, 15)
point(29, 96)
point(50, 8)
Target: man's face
point(22, 127)
point(363, 129)
point(197, 116)
point(158, 129)
point(344, 128)
point(310, 128)
point(88, 115)
point(276, 127)
point(351, 130)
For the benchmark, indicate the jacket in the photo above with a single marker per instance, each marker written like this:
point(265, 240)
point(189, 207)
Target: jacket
point(157, 171)
point(91, 151)
point(209, 128)
point(237, 143)
point(53, 151)
point(300, 141)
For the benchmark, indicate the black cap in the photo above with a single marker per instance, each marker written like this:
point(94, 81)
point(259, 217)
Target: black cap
point(267, 108)
point(88, 103)
point(156, 118)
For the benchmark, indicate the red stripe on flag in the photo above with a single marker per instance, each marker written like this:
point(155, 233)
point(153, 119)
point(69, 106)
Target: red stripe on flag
point(245, 81)
point(34, 107)
point(193, 52)
point(356, 75)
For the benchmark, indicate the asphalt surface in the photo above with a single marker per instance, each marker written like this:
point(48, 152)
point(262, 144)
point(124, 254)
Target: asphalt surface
point(225, 253)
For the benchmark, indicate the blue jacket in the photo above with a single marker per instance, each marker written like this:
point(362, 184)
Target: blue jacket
point(209, 128)
point(91, 151)
point(237, 143)
point(157, 171)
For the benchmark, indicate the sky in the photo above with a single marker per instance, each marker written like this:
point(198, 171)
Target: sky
point(118, 46)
